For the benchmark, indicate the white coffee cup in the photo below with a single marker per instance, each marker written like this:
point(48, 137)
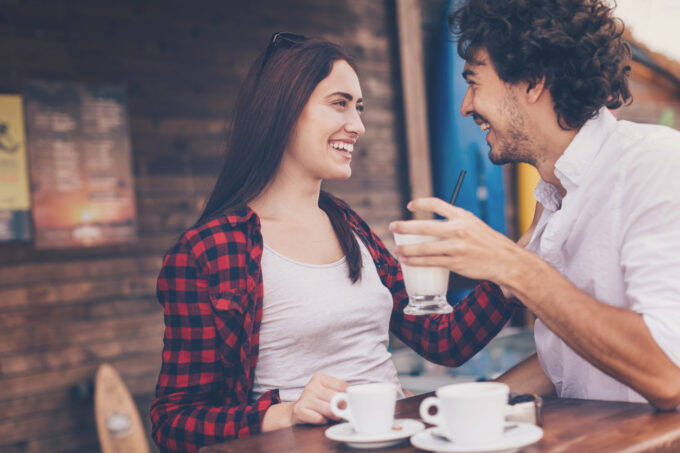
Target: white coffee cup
point(369, 407)
point(426, 286)
point(468, 413)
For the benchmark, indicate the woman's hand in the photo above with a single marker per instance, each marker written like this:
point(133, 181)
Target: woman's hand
point(312, 406)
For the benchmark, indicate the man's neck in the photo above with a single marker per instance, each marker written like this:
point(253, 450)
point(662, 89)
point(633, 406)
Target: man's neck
point(552, 143)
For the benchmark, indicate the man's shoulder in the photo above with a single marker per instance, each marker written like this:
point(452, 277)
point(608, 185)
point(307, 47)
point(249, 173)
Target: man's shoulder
point(645, 159)
point(637, 151)
point(645, 141)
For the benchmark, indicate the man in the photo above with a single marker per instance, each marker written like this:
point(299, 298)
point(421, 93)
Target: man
point(600, 266)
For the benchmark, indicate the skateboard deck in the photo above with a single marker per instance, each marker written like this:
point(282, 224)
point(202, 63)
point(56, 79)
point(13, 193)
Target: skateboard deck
point(119, 426)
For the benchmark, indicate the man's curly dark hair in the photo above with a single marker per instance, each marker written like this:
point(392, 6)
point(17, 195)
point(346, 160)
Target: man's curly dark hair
point(576, 45)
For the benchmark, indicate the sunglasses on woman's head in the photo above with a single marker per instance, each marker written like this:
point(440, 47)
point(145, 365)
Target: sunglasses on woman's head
point(282, 39)
point(285, 37)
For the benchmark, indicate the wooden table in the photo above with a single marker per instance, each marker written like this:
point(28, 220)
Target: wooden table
point(570, 426)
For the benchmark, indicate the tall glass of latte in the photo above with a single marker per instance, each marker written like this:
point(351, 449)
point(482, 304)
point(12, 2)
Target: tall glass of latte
point(426, 286)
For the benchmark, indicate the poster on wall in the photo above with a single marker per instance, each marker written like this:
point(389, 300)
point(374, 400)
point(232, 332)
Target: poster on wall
point(14, 194)
point(80, 166)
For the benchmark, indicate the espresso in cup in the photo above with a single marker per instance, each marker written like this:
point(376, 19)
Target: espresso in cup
point(468, 413)
point(368, 407)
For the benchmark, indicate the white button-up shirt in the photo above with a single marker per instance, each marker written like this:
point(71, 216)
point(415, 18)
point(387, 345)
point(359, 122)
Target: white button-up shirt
point(616, 236)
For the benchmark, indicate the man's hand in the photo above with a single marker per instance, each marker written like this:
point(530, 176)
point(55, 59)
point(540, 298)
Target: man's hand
point(468, 246)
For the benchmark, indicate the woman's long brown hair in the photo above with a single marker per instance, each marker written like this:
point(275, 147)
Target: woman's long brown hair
point(268, 105)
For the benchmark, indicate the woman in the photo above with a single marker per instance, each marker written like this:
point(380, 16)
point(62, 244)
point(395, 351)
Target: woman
point(280, 296)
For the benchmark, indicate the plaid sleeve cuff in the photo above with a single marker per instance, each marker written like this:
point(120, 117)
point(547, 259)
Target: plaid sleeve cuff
point(263, 403)
point(511, 302)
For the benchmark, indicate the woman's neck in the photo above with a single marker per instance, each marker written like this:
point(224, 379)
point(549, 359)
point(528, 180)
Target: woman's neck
point(289, 196)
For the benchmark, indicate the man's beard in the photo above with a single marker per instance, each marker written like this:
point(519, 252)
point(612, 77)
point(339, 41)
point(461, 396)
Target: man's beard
point(514, 146)
point(511, 150)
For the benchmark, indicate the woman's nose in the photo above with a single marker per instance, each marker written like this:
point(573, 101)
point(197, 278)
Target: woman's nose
point(355, 125)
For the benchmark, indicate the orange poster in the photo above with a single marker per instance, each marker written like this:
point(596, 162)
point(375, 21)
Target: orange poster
point(80, 165)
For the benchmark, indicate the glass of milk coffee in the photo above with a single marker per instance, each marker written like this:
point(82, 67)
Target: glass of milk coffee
point(426, 286)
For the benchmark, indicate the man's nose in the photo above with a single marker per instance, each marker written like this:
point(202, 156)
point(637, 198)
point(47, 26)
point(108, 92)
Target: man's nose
point(466, 108)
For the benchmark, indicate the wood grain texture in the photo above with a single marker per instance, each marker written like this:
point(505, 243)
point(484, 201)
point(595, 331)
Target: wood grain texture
point(569, 426)
point(64, 312)
point(415, 101)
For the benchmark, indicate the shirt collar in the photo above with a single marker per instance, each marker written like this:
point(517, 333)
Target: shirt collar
point(548, 195)
point(576, 159)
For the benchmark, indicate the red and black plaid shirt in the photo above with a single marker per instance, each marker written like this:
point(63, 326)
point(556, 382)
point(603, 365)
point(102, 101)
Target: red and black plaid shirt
point(210, 287)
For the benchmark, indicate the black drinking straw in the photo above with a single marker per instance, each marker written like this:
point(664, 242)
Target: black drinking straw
point(457, 189)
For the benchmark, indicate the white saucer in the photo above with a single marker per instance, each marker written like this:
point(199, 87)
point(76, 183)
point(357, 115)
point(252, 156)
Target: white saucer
point(344, 432)
point(513, 439)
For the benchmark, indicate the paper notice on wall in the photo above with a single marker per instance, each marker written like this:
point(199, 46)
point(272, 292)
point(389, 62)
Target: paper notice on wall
point(80, 164)
point(14, 188)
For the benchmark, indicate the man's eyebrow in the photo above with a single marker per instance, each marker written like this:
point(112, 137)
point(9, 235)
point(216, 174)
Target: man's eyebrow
point(347, 96)
point(476, 62)
point(472, 62)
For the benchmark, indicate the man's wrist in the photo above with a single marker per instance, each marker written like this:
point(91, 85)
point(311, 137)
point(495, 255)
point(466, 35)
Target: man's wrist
point(513, 274)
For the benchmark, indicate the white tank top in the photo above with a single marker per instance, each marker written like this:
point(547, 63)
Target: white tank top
point(315, 320)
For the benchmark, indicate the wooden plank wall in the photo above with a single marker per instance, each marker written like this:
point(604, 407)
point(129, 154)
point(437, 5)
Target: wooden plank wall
point(64, 312)
point(411, 49)
point(653, 97)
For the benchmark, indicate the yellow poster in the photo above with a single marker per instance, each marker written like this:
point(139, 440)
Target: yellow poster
point(14, 187)
point(14, 193)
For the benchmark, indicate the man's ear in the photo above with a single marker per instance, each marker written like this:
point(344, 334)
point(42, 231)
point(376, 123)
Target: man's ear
point(535, 88)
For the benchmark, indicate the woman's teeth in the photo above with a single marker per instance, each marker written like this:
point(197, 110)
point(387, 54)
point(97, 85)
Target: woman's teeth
point(485, 127)
point(342, 145)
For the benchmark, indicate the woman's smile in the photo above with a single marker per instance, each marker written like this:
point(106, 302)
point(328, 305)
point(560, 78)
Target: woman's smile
point(344, 148)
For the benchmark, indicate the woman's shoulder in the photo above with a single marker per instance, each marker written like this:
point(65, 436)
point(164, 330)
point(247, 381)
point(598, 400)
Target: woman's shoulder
point(360, 227)
point(231, 228)
point(352, 217)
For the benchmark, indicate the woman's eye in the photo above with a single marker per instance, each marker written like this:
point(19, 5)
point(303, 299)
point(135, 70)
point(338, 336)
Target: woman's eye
point(340, 103)
point(360, 108)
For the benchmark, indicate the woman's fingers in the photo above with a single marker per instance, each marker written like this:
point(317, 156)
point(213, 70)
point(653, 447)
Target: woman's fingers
point(325, 393)
point(313, 405)
point(332, 383)
point(307, 415)
point(323, 397)
point(323, 408)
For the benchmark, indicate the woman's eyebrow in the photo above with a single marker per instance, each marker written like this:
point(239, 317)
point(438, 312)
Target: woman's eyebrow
point(347, 96)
